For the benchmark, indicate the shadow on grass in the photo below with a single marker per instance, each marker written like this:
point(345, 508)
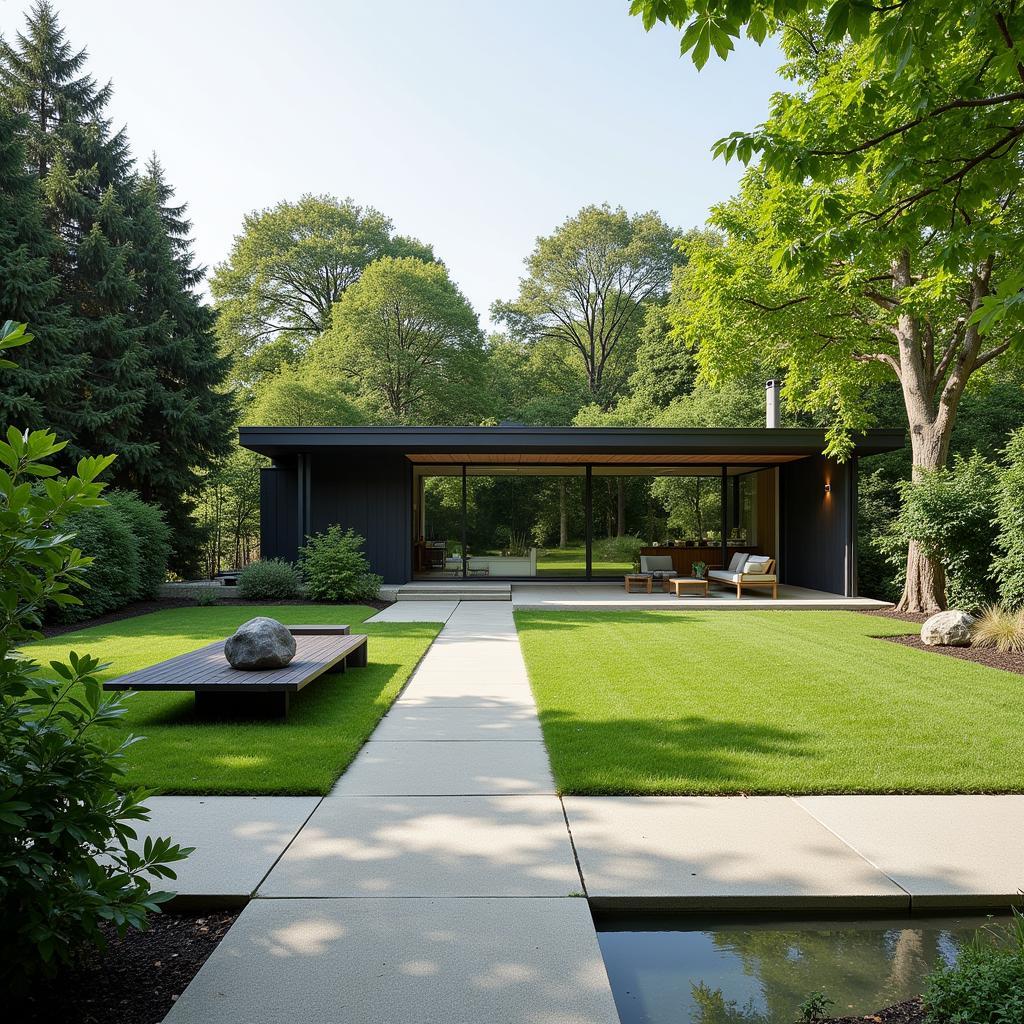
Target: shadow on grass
point(691, 754)
point(318, 702)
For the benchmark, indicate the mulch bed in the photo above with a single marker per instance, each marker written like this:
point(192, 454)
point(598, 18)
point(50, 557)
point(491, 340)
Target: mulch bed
point(145, 607)
point(979, 655)
point(137, 979)
point(909, 1012)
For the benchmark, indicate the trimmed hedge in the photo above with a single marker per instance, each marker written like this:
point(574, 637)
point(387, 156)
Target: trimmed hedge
point(271, 580)
point(130, 544)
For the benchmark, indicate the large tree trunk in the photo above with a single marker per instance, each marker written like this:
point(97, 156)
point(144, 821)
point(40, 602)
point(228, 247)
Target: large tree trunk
point(925, 588)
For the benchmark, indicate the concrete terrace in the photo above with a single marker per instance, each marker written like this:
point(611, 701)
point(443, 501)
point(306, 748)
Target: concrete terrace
point(604, 596)
point(444, 879)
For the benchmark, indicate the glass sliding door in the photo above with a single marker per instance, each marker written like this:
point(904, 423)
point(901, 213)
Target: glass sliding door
point(531, 521)
point(525, 521)
point(671, 510)
point(437, 522)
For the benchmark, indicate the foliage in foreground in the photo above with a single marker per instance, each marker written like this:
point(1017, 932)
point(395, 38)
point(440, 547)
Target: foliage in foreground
point(61, 807)
point(987, 982)
point(335, 567)
point(270, 580)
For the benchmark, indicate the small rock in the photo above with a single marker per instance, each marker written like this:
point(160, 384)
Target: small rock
point(948, 629)
point(260, 643)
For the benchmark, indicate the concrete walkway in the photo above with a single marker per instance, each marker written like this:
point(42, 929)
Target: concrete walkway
point(436, 882)
point(441, 878)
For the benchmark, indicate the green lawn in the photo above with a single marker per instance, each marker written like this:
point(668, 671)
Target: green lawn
point(765, 702)
point(326, 726)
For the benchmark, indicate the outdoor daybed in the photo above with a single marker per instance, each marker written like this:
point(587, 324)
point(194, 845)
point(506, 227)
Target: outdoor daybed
point(747, 571)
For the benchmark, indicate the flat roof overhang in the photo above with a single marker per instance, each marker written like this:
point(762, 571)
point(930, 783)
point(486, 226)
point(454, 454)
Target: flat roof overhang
point(635, 445)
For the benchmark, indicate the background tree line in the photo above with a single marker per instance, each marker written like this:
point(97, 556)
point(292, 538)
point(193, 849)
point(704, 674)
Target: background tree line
point(867, 259)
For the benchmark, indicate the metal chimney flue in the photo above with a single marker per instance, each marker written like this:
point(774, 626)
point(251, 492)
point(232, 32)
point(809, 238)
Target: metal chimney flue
point(772, 407)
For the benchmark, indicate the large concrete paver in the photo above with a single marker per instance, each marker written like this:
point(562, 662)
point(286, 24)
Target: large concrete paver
point(415, 611)
point(757, 852)
point(944, 850)
point(430, 846)
point(425, 723)
point(237, 839)
point(404, 961)
point(447, 768)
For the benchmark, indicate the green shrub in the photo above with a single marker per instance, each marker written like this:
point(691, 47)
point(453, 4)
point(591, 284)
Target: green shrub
point(986, 985)
point(130, 543)
point(270, 580)
point(207, 598)
point(61, 803)
point(104, 535)
point(153, 541)
point(618, 549)
point(949, 512)
point(336, 569)
point(1008, 565)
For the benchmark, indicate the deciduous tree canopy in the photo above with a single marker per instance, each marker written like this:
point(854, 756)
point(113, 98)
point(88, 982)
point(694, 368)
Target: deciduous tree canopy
point(587, 287)
point(288, 267)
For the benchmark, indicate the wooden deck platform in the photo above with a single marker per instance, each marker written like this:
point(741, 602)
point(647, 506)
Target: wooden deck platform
point(223, 691)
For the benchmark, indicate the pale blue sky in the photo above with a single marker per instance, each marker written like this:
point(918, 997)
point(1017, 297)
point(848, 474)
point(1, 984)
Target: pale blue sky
point(474, 124)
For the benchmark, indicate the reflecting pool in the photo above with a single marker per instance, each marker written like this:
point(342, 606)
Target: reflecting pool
point(737, 970)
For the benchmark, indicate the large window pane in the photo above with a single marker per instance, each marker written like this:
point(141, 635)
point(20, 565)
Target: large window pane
point(674, 511)
point(437, 523)
point(525, 521)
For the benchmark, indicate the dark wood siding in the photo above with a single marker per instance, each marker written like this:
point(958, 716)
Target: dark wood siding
point(372, 496)
point(278, 510)
point(817, 526)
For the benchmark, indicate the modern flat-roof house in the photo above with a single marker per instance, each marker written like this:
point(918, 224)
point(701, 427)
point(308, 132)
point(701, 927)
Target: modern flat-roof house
point(566, 503)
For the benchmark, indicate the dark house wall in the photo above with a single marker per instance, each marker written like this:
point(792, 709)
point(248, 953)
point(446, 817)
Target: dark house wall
point(372, 496)
point(278, 513)
point(816, 529)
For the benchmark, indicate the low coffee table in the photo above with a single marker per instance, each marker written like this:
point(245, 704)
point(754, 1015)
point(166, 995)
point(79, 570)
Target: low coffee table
point(637, 579)
point(688, 581)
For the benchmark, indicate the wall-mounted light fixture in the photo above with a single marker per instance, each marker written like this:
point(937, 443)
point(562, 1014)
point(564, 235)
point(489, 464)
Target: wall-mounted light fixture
point(828, 488)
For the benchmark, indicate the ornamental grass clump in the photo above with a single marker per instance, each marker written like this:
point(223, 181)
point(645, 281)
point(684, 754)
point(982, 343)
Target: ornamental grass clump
point(67, 862)
point(999, 628)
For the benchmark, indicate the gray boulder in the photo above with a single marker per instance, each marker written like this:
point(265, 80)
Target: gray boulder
point(948, 629)
point(260, 643)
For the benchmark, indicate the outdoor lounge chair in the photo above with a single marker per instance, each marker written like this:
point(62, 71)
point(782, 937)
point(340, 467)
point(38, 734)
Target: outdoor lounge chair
point(747, 570)
point(658, 567)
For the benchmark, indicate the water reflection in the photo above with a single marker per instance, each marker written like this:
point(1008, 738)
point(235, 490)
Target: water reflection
point(759, 971)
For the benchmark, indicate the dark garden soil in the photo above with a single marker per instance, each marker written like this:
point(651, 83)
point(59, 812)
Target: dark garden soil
point(910, 1012)
point(145, 607)
point(136, 980)
point(979, 655)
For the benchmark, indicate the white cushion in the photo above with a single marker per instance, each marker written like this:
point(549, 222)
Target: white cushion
point(756, 563)
point(737, 561)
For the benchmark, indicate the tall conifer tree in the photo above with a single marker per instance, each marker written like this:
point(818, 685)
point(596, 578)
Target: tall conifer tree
point(47, 371)
point(147, 384)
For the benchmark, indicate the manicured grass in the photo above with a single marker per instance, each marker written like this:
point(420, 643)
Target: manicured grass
point(573, 561)
point(765, 702)
point(329, 720)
